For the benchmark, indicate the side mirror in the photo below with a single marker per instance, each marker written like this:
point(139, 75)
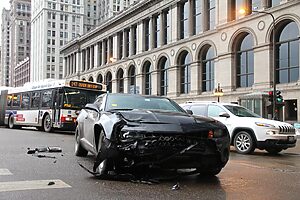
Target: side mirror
point(189, 112)
point(224, 114)
point(91, 106)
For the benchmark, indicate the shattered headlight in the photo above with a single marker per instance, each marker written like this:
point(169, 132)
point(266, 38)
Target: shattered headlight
point(131, 135)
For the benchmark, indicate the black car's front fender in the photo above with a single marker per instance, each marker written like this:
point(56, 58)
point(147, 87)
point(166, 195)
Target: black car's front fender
point(108, 122)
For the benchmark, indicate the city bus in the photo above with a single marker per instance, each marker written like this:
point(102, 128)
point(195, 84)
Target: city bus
point(48, 104)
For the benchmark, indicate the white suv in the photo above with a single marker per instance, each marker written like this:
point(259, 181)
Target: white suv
point(247, 130)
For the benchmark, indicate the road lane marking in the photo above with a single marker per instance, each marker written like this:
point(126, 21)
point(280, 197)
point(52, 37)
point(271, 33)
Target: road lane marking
point(5, 172)
point(31, 185)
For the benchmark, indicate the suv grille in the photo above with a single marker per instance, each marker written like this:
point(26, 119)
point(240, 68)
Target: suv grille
point(286, 130)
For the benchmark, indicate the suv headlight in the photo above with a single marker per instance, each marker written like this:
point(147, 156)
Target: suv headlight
point(264, 125)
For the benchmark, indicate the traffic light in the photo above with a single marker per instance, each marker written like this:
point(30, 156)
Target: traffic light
point(279, 98)
point(271, 96)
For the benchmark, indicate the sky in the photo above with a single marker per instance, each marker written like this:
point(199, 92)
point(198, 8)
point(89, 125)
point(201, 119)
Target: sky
point(3, 4)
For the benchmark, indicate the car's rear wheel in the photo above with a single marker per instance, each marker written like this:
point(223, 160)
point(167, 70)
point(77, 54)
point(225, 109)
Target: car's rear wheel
point(47, 124)
point(244, 143)
point(273, 151)
point(79, 150)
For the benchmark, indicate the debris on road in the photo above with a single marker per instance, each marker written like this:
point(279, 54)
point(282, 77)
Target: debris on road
point(53, 149)
point(45, 156)
point(176, 186)
point(51, 183)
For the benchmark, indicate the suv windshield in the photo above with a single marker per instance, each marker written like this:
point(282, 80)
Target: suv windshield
point(240, 111)
point(77, 98)
point(130, 102)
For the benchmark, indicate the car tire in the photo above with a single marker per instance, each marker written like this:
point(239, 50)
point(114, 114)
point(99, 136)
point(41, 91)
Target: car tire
point(11, 122)
point(47, 124)
point(209, 172)
point(273, 151)
point(244, 142)
point(104, 166)
point(79, 150)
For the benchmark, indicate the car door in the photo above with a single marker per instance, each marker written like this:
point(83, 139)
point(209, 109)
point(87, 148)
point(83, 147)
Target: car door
point(214, 111)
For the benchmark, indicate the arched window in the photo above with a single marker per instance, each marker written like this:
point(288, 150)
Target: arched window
point(287, 53)
point(208, 68)
point(108, 81)
point(245, 61)
point(163, 66)
point(99, 79)
point(184, 63)
point(120, 80)
point(147, 78)
point(91, 79)
point(132, 80)
point(83, 79)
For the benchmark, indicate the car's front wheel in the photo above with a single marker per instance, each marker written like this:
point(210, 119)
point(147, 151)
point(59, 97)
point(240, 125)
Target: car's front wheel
point(244, 143)
point(106, 164)
point(79, 150)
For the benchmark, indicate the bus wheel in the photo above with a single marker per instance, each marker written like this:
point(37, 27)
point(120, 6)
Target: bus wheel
point(11, 123)
point(47, 124)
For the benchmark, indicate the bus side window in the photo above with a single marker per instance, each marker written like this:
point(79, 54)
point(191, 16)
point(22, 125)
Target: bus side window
point(16, 100)
point(35, 99)
point(25, 100)
point(46, 98)
point(9, 100)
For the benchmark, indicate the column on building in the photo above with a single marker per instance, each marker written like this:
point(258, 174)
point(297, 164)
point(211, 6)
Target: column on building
point(103, 52)
point(139, 37)
point(162, 32)
point(225, 11)
point(195, 78)
point(75, 63)
point(92, 57)
point(115, 46)
point(87, 59)
point(205, 16)
point(173, 81)
point(66, 66)
point(175, 18)
point(78, 61)
point(191, 18)
point(154, 82)
point(71, 64)
point(151, 31)
point(96, 52)
point(125, 43)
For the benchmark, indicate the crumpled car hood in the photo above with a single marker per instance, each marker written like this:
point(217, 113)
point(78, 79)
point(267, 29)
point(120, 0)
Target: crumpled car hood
point(161, 121)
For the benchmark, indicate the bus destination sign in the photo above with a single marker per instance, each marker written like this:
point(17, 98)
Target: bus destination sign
point(81, 84)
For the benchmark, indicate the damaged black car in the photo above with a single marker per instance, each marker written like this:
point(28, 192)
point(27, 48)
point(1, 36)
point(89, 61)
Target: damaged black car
point(126, 131)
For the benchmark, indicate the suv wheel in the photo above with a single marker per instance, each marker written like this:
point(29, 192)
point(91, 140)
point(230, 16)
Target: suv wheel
point(243, 142)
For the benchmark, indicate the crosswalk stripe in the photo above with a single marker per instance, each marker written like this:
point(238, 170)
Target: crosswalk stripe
point(4, 172)
point(32, 185)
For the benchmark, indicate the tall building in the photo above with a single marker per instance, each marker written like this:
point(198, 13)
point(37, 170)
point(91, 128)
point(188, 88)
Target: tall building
point(188, 49)
point(20, 15)
point(5, 48)
point(53, 24)
point(107, 9)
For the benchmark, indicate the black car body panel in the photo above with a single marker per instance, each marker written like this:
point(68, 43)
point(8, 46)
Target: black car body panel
point(154, 137)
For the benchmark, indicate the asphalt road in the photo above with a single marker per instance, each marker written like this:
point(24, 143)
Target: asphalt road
point(24, 176)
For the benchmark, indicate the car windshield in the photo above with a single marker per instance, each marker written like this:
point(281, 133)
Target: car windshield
point(77, 98)
point(240, 111)
point(130, 102)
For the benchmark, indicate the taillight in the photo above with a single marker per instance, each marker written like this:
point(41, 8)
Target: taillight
point(210, 134)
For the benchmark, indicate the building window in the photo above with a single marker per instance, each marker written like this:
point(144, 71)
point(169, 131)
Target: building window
point(127, 42)
point(211, 14)
point(208, 68)
point(256, 4)
point(120, 37)
point(146, 34)
point(185, 72)
point(184, 19)
point(245, 61)
point(147, 78)
point(91, 79)
point(134, 39)
point(120, 80)
point(274, 2)
point(99, 79)
point(166, 27)
point(197, 16)
point(163, 66)
point(287, 53)
point(108, 81)
point(156, 23)
point(132, 80)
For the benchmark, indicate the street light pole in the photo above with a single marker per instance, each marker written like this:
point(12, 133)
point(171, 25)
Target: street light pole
point(274, 63)
point(274, 113)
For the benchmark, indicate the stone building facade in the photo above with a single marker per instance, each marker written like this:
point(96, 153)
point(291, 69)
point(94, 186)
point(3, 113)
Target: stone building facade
point(183, 49)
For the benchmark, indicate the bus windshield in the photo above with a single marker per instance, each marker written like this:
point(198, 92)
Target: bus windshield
point(78, 98)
